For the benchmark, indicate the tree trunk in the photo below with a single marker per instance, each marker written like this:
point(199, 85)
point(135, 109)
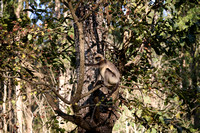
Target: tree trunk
point(101, 116)
point(1, 11)
point(65, 91)
point(19, 104)
point(194, 86)
point(19, 108)
point(10, 90)
point(28, 111)
point(4, 106)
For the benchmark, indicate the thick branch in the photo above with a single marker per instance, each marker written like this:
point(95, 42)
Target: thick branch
point(89, 92)
point(77, 5)
point(75, 119)
point(72, 10)
point(82, 55)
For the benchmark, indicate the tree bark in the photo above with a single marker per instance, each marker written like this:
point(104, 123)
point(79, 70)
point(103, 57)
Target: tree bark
point(1, 12)
point(93, 36)
point(4, 106)
point(10, 90)
point(90, 113)
point(28, 111)
point(19, 108)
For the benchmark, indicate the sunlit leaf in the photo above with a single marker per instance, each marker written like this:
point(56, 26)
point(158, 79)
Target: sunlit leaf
point(29, 37)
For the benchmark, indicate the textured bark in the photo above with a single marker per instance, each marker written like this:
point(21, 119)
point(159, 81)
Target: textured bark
point(4, 107)
point(11, 91)
point(19, 108)
point(28, 112)
point(65, 91)
point(81, 56)
point(100, 118)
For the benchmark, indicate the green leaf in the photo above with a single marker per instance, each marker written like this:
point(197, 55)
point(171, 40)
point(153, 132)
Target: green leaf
point(5, 25)
point(176, 99)
point(155, 60)
point(161, 119)
point(182, 44)
point(29, 37)
point(153, 130)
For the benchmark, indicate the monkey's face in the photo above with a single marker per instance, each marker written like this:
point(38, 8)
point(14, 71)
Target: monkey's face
point(98, 58)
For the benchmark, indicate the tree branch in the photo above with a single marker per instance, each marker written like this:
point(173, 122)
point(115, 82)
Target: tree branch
point(72, 10)
point(74, 119)
point(90, 12)
point(89, 92)
point(77, 96)
point(137, 58)
point(77, 5)
point(54, 90)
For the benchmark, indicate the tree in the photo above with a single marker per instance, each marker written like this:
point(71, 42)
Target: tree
point(154, 44)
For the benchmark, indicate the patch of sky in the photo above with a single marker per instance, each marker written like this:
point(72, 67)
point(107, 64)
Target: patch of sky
point(34, 16)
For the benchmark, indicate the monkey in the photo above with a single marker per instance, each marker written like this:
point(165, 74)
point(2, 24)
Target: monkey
point(108, 71)
point(111, 78)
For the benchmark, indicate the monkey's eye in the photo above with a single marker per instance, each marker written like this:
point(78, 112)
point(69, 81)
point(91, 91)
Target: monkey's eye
point(98, 58)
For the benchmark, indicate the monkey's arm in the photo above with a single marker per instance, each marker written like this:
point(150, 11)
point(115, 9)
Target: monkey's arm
point(98, 78)
point(110, 72)
point(96, 66)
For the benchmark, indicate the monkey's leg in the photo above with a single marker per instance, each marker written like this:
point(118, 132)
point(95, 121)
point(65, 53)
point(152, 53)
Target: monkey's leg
point(98, 78)
point(114, 91)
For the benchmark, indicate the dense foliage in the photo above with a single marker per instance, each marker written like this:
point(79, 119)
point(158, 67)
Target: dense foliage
point(155, 43)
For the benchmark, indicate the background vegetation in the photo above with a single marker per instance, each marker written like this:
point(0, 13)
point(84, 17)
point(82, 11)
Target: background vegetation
point(45, 86)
